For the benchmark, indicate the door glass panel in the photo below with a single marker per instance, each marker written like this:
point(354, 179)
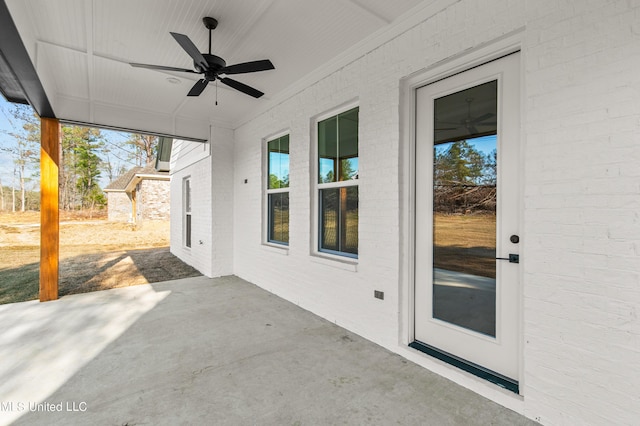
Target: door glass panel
point(464, 208)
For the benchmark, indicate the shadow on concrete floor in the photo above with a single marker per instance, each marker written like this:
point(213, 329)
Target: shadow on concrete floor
point(212, 351)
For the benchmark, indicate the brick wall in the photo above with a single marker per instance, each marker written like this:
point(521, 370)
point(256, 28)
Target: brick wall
point(581, 236)
point(582, 207)
point(154, 199)
point(210, 168)
point(118, 207)
point(200, 253)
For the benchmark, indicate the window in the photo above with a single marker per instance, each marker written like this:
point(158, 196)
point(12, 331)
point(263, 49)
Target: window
point(278, 190)
point(337, 184)
point(186, 185)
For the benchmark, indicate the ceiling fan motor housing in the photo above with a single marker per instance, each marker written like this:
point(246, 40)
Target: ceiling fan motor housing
point(216, 63)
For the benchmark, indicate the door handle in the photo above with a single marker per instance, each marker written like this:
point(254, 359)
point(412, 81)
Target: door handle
point(513, 258)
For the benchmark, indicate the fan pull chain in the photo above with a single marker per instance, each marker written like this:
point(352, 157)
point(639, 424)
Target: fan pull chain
point(216, 92)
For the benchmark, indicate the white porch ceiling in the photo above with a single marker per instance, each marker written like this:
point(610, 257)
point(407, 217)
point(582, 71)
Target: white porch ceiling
point(81, 50)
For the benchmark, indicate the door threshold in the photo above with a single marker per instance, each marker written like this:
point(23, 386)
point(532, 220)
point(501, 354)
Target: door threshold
point(467, 366)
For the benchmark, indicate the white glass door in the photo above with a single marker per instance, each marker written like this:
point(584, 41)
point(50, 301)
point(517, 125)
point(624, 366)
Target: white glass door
point(467, 217)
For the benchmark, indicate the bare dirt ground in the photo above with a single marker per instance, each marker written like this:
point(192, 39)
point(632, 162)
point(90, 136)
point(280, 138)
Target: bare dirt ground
point(94, 255)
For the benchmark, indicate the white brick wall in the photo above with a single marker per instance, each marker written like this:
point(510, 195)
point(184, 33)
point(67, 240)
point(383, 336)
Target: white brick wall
point(582, 277)
point(210, 167)
point(199, 255)
point(221, 239)
point(581, 237)
point(339, 295)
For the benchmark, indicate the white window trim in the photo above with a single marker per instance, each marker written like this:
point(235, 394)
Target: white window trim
point(343, 258)
point(266, 191)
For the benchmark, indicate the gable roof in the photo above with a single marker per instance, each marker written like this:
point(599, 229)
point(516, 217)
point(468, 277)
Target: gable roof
point(127, 181)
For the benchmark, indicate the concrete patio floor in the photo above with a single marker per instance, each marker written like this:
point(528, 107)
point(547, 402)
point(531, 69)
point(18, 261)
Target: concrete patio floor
point(206, 352)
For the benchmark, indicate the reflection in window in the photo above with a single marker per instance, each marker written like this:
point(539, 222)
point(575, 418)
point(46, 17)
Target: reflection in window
point(278, 190)
point(464, 208)
point(337, 183)
point(338, 147)
point(278, 162)
point(279, 217)
point(339, 219)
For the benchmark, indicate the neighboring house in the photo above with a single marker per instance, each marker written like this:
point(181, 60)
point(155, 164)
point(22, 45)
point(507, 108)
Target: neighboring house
point(141, 193)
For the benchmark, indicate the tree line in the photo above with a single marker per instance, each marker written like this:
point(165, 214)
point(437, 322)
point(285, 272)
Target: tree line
point(86, 156)
point(464, 179)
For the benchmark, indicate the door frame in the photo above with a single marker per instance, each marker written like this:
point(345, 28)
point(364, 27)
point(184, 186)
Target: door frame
point(441, 70)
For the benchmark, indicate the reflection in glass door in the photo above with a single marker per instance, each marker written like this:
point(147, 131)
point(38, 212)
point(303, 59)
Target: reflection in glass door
point(467, 209)
point(464, 208)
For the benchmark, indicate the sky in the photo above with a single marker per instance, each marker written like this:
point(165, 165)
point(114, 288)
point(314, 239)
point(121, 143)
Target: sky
point(6, 162)
point(114, 140)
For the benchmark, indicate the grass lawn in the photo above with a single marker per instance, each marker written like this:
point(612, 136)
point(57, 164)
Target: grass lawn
point(465, 243)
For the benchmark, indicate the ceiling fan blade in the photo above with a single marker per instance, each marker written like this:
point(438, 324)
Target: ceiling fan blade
point(162, 68)
point(186, 43)
point(198, 87)
point(245, 67)
point(482, 117)
point(241, 87)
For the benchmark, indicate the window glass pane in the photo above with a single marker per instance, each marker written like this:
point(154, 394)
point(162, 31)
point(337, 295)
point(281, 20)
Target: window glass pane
point(339, 219)
point(464, 208)
point(466, 114)
point(187, 195)
point(188, 230)
point(279, 217)
point(348, 145)
point(327, 150)
point(278, 158)
point(349, 219)
point(329, 219)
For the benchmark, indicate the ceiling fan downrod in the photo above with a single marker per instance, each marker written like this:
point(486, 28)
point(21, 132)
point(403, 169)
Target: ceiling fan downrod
point(211, 24)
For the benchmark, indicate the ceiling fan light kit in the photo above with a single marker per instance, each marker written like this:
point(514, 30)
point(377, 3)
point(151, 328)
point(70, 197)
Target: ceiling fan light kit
point(212, 66)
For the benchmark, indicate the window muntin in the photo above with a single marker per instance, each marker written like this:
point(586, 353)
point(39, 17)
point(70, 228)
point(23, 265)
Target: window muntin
point(278, 190)
point(337, 184)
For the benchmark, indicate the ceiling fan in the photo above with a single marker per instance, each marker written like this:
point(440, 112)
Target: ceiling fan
point(212, 66)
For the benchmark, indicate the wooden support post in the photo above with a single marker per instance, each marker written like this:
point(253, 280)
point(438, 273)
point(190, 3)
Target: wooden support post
point(49, 213)
point(134, 207)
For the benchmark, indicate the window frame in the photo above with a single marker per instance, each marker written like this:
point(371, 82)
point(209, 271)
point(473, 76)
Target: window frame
point(266, 240)
point(187, 215)
point(317, 187)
